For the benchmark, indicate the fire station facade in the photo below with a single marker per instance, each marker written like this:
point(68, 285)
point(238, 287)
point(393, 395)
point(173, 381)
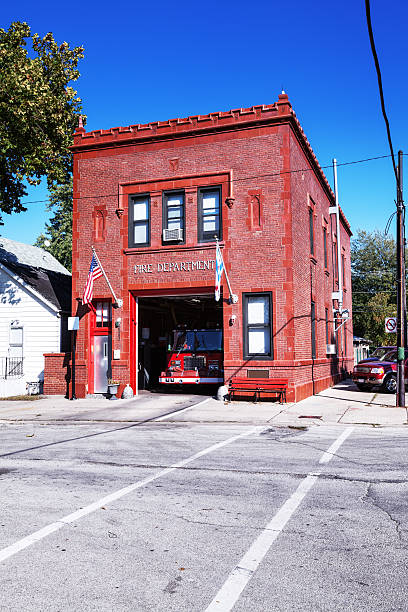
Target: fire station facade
point(152, 200)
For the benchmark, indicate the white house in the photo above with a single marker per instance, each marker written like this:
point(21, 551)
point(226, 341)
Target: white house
point(35, 301)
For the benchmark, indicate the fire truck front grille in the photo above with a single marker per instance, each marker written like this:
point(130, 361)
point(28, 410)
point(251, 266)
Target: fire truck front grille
point(191, 363)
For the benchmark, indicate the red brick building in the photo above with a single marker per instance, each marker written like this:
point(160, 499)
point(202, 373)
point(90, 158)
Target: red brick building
point(247, 176)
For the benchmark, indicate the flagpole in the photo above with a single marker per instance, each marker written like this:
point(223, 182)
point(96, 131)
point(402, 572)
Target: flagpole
point(118, 302)
point(233, 298)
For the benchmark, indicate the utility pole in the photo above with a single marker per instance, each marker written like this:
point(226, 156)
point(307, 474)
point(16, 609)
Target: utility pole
point(401, 298)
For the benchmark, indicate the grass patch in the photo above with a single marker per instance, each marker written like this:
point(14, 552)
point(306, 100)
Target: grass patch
point(19, 398)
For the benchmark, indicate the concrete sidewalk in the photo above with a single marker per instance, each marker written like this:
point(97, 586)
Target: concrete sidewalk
point(342, 404)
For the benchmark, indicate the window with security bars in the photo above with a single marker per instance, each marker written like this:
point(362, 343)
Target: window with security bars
point(173, 215)
point(209, 214)
point(257, 309)
point(139, 221)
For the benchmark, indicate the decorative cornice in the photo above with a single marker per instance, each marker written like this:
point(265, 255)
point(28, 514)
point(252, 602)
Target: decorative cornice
point(174, 127)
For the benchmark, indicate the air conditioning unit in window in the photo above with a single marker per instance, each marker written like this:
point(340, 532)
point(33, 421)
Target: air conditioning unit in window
point(172, 234)
point(330, 349)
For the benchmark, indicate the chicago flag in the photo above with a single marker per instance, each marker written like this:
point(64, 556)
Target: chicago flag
point(219, 269)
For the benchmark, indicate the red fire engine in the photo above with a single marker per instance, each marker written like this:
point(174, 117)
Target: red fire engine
point(195, 358)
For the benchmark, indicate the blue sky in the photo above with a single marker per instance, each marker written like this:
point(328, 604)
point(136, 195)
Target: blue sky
point(146, 62)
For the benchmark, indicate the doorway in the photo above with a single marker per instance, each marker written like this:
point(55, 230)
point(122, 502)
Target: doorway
point(159, 318)
point(102, 362)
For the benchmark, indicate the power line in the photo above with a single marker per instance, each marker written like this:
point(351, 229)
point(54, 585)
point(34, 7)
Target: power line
point(236, 180)
point(380, 87)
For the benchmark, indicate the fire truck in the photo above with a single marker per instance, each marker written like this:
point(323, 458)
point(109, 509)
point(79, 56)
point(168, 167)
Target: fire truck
point(194, 358)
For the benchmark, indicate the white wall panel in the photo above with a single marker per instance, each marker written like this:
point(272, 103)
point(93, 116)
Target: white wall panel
point(41, 325)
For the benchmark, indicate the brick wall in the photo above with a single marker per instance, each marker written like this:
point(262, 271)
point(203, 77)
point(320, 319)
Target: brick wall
point(57, 373)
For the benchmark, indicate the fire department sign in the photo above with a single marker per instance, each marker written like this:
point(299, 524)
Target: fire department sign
point(174, 266)
point(390, 325)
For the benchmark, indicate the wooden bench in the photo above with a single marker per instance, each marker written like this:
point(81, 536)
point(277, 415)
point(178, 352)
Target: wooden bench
point(257, 386)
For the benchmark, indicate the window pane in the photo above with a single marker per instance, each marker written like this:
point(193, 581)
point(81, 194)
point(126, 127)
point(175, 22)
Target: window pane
point(99, 307)
point(16, 335)
point(211, 200)
point(175, 212)
point(140, 234)
point(210, 224)
point(174, 224)
point(258, 310)
point(174, 201)
point(258, 341)
point(105, 311)
point(16, 352)
point(140, 210)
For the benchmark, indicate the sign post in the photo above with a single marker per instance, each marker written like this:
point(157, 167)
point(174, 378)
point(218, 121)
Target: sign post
point(73, 325)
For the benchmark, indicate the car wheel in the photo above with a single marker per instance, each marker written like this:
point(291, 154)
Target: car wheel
point(390, 384)
point(363, 387)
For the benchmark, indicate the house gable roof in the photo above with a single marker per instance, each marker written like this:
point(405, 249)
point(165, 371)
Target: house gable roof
point(39, 270)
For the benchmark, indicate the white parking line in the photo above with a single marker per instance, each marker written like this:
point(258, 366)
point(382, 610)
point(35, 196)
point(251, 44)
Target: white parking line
point(238, 579)
point(11, 550)
point(167, 416)
point(331, 451)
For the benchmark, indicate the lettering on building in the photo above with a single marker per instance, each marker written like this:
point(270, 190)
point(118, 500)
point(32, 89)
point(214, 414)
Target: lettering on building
point(174, 266)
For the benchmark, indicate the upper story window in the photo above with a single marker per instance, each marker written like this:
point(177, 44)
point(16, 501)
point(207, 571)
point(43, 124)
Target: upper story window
point(325, 247)
point(173, 216)
point(311, 232)
point(209, 214)
point(139, 221)
point(343, 269)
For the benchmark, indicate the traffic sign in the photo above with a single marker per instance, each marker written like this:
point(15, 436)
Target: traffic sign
point(390, 325)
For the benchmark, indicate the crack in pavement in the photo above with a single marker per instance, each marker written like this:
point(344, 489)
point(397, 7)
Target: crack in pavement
point(189, 468)
point(369, 496)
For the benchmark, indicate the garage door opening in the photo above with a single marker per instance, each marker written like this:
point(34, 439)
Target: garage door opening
point(180, 342)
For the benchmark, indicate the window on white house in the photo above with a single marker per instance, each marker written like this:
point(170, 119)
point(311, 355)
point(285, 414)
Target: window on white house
point(16, 341)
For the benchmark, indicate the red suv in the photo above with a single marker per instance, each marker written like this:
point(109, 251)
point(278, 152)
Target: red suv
point(378, 373)
point(379, 354)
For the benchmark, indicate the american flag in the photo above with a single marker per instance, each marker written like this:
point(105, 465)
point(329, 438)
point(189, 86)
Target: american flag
point(94, 273)
point(219, 269)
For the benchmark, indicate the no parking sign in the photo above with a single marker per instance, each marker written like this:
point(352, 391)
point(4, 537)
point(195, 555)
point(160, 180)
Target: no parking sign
point(391, 325)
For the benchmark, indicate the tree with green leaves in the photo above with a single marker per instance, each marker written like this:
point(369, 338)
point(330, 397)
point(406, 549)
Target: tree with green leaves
point(57, 238)
point(373, 274)
point(39, 111)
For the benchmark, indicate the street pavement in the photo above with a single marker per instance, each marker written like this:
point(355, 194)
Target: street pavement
point(202, 517)
point(182, 503)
